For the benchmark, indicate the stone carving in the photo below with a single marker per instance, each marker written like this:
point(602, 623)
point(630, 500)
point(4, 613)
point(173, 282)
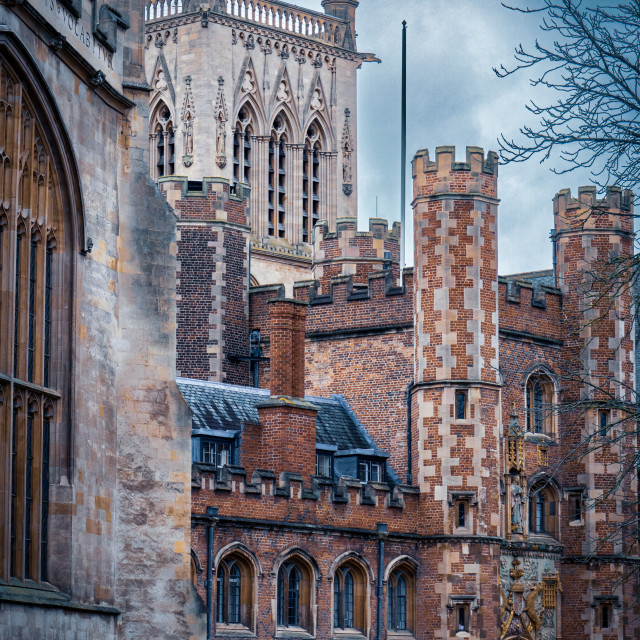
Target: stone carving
point(517, 506)
point(317, 61)
point(347, 177)
point(248, 83)
point(316, 100)
point(521, 609)
point(284, 52)
point(283, 93)
point(161, 82)
point(221, 125)
point(188, 118)
point(249, 43)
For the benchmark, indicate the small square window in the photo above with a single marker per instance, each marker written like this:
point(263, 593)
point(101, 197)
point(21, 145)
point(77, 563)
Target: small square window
point(461, 514)
point(606, 615)
point(575, 507)
point(461, 405)
point(603, 423)
point(462, 611)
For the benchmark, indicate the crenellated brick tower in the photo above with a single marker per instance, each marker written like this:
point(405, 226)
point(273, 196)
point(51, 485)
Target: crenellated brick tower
point(456, 396)
point(599, 375)
point(349, 252)
point(212, 278)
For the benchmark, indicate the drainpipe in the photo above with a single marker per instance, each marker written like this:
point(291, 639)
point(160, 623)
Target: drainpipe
point(382, 531)
point(212, 512)
point(409, 443)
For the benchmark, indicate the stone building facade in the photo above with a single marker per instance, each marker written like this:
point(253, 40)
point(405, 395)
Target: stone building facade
point(219, 415)
point(467, 512)
point(262, 95)
point(95, 440)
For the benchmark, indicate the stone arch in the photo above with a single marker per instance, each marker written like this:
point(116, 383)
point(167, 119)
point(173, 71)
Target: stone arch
point(397, 561)
point(356, 557)
point(242, 549)
point(292, 122)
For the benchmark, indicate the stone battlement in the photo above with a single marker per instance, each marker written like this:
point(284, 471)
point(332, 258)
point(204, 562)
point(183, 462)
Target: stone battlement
point(614, 211)
point(267, 484)
point(349, 252)
point(446, 160)
point(477, 176)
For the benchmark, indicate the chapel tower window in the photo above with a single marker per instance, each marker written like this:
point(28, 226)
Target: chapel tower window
point(163, 142)
point(311, 181)
point(242, 147)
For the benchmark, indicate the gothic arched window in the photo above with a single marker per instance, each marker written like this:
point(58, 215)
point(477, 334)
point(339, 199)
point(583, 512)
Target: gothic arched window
point(401, 599)
point(540, 401)
point(294, 594)
point(311, 180)
point(234, 591)
point(543, 506)
point(35, 311)
point(278, 202)
point(350, 597)
point(163, 142)
point(242, 149)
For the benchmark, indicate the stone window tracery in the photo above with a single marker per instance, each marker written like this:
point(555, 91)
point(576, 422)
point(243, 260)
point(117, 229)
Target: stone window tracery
point(313, 145)
point(350, 597)
point(234, 591)
point(543, 505)
point(401, 600)
point(163, 142)
point(33, 315)
point(294, 595)
point(540, 403)
point(242, 146)
point(278, 185)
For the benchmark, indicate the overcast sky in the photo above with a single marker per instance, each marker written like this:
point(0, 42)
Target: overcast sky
point(453, 98)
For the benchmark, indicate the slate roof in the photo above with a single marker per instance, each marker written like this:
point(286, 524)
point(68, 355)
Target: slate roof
point(226, 407)
point(545, 277)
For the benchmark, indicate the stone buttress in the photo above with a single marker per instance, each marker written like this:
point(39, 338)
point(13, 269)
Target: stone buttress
point(456, 397)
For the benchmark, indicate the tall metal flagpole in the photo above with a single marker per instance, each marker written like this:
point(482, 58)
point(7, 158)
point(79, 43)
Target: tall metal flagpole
point(403, 146)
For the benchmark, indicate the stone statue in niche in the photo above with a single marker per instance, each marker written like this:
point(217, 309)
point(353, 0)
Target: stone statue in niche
point(220, 139)
point(221, 125)
point(188, 137)
point(517, 506)
point(347, 177)
point(346, 166)
point(188, 116)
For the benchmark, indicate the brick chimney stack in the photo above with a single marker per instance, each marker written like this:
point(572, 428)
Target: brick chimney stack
point(287, 318)
point(287, 422)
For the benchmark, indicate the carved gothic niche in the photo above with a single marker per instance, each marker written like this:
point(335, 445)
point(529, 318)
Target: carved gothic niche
point(347, 149)
point(515, 480)
point(284, 93)
point(188, 118)
point(248, 82)
point(221, 125)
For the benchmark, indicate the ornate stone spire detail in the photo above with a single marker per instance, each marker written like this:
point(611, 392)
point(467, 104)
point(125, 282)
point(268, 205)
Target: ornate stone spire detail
point(347, 149)
point(221, 125)
point(188, 118)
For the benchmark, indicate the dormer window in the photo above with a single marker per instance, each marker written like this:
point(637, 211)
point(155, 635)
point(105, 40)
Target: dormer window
point(324, 464)
point(216, 452)
point(370, 470)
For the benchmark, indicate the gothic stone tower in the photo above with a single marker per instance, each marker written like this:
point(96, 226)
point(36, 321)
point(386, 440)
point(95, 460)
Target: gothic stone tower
point(456, 397)
point(263, 97)
point(591, 236)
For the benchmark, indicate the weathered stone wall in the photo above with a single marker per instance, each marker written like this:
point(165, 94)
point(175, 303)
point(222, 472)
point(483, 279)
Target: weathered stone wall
point(120, 492)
